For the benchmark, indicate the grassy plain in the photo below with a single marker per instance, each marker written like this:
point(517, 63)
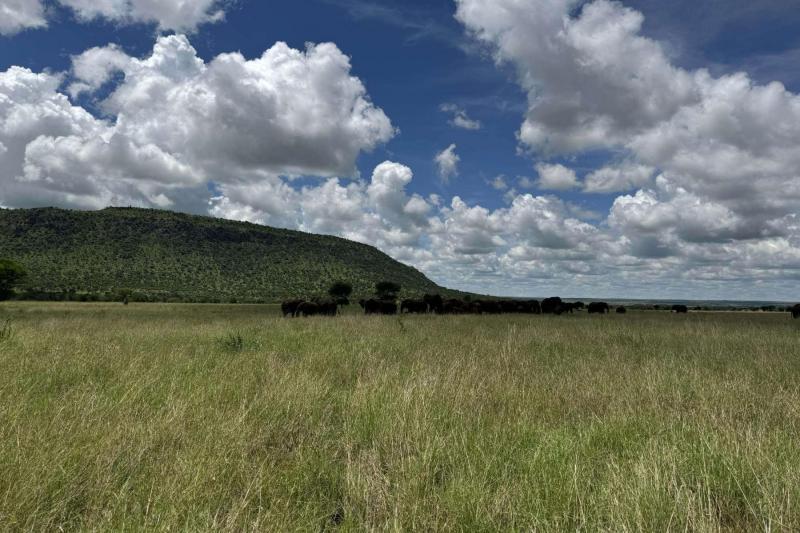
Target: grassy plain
point(194, 417)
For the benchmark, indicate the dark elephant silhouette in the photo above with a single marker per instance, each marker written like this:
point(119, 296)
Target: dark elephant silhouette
point(681, 309)
point(552, 306)
point(418, 307)
point(508, 306)
point(795, 311)
point(308, 309)
point(489, 307)
point(434, 302)
point(370, 307)
point(378, 307)
point(317, 308)
point(621, 310)
point(529, 307)
point(564, 308)
point(455, 307)
point(289, 307)
point(599, 308)
point(328, 307)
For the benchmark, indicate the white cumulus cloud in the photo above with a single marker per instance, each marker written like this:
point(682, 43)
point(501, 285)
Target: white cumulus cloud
point(724, 147)
point(447, 162)
point(556, 177)
point(618, 178)
point(20, 15)
point(179, 123)
point(176, 15)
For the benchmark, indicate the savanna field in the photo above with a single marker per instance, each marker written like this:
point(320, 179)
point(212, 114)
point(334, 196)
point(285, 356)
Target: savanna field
point(192, 417)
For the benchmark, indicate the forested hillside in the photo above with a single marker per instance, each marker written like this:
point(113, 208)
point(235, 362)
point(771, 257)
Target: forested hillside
point(166, 256)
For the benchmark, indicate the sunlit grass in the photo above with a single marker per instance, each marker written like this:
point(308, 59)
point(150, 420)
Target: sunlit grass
point(228, 417)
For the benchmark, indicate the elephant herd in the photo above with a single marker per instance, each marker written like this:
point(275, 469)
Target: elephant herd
point(436, 304)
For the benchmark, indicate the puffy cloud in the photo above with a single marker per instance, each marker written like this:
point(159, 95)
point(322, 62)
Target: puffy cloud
point(32, 116)
point(379, 212)
point(178, 15)
point(685, 216)
point(545, 222)
point(460, 118)
point(287, 112)
point(387, 196)
point(271, 201)
point(467, 230)
point(95, 66)
point(556, 177)
point(511, 250)
point(19, 15)
point(461, 245)
point(179, 123)
point(595, 82)
point(447, 162)
point(618, 178)
point(725, 147)
point(585, 77)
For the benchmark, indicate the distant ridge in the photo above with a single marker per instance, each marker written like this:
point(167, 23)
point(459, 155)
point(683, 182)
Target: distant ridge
point(167, 256)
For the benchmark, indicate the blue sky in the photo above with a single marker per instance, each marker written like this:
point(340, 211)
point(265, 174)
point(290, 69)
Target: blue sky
point(669, 230)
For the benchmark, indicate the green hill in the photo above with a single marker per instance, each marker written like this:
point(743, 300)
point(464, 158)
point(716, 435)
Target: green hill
point(166, 256)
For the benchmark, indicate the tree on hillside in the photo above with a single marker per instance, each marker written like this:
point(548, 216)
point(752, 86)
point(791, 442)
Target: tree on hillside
point(11, 275)
point(340, 292)
point(387, 290)
point(124, 295)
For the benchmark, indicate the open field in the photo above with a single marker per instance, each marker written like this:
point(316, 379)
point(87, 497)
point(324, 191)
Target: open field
point(228, 417)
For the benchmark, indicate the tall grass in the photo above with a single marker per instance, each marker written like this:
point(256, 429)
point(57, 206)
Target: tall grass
point(228, 417)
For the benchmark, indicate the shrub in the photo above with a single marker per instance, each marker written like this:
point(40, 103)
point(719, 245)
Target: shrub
point(11, 275)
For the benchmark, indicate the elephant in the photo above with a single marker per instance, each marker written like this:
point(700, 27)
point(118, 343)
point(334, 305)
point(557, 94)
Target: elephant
point(370, 307)
point(796, 311)
point(485, 307)
point(414, 306)
point(308, 309)
point(289, 308)
point(434, 303)
point(564, 308)
point(378, 307)
point(317, 308)
point(388, 307)
point(533, 307)
point(455, 307)
point(507, 306)
point(328, 308)
point(600, 308)
point(475, 308)
point(681, 309)
point(621, 310)
point(552, 306)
